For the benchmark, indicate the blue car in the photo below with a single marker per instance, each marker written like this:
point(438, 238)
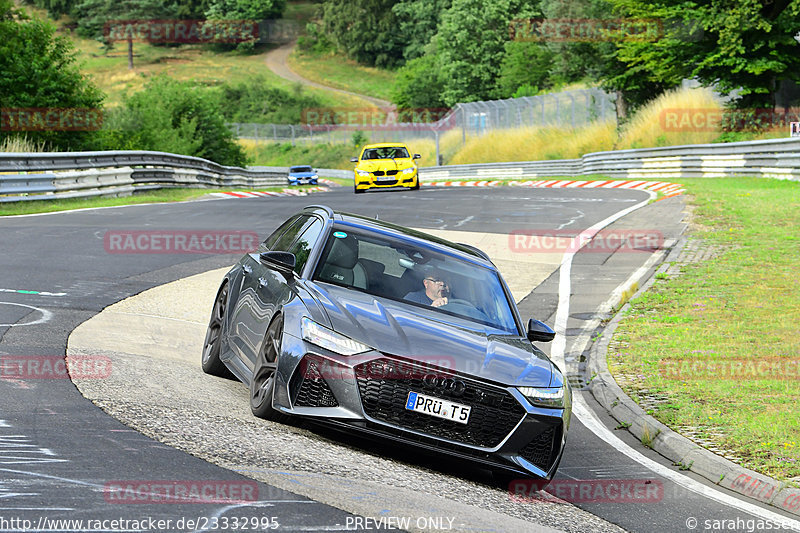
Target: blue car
point(302, 174)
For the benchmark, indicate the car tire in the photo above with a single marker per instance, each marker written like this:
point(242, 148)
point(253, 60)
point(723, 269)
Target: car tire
point(416, 186)
point(262, 386)
point(357, 190)
point(210, 361)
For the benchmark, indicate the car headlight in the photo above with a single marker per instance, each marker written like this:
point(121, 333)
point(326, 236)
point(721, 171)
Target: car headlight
point(362, 173)
point(409, 170)
point(330, 340)
point(550, 397)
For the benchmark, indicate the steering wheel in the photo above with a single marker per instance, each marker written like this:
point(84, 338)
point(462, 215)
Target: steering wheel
point(463, 307)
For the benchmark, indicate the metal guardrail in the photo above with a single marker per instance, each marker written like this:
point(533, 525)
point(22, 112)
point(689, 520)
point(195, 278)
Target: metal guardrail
point(56, 175)
point(42, 176)
point(774, 158)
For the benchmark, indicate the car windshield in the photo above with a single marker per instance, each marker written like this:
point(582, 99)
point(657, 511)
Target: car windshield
point(300, 169)
point(388, 152)
point(413, 274)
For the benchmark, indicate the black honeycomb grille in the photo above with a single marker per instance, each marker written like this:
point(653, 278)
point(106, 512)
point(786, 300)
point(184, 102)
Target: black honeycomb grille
point(309, 388)
point(542, 450)
point(494, 412)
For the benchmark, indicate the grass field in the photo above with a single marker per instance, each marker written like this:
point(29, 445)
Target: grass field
point(335, 70)
point(683, 340)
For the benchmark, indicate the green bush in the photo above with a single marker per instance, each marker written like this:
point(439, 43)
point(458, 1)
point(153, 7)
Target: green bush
point(177, 117)
point(256, 101)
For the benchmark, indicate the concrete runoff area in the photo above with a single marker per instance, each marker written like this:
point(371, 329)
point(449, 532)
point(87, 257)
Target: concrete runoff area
point(154, 341)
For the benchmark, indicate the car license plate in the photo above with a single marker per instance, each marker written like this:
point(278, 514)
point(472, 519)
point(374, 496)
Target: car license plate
point(385, 178)
point(438, 407)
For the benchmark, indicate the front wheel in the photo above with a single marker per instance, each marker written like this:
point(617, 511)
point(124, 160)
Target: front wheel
point(211, 362)
point(262, 386)
point(357, 190)
point(416, 186)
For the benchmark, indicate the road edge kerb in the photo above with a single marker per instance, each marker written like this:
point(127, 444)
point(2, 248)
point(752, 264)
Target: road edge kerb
point(667, 442)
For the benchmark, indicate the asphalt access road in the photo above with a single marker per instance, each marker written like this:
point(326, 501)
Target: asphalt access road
point(58, 452)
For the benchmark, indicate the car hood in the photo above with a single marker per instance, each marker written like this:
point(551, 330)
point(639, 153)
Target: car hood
point(384, 164)
point(433, 338)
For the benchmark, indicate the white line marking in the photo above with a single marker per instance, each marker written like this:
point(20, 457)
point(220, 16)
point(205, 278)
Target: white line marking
point(588, 418)
point(46, 315)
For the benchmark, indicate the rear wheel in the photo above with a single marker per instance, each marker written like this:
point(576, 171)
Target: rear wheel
point(262, 386)
point(211, 362)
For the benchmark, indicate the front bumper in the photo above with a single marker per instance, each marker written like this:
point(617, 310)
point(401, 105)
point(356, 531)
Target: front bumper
point(382, 182)
point(504, 431)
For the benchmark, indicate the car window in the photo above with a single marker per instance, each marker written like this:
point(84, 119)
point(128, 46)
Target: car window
point(285, 240)
point(300, 169)
point(269, 242)
point(303, 245)
point(395, 269)
point(385, 153)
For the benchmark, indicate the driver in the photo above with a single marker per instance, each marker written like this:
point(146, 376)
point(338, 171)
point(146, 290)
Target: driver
point(435, 289)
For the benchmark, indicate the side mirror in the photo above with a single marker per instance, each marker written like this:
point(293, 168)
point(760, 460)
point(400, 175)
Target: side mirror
point(417, 156)
point(283, 262)
point(539, 331)
point(354, 160)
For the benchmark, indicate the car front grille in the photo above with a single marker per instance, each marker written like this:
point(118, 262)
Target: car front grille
point(494, 411)
point(308, 388)
point(542, 451)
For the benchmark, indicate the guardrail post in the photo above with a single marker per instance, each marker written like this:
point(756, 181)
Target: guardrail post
point(291, 127)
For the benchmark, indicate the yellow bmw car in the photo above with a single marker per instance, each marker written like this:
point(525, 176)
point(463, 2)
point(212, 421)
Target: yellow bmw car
point(385, 165)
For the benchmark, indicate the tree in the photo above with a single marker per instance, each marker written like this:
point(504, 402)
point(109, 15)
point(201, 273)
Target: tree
point(94, 15)
point(418, 21)
point(419, 84)
point(38, 70)
point(366, 30)
point(744, 44)
point(524, 64)
point(55, 8)
point(471, 43)
point(178, 117)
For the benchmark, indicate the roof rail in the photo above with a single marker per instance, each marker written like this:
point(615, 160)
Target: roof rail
point(325, 208)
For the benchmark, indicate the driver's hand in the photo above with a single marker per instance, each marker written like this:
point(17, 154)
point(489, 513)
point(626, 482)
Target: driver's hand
point(438, 302)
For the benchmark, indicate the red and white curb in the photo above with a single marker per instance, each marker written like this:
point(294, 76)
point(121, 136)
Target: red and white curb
point(262, 194)
point(663, 187)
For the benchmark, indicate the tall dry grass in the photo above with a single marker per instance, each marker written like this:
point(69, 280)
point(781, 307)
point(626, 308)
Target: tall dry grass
point(536, 143)
point(680, 116)
point(19, 144)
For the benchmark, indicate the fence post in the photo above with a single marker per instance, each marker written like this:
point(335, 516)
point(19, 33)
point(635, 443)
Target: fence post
point(291, 126)
point(572, 109)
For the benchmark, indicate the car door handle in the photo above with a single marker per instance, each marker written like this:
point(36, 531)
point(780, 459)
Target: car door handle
point(263, 282)
point(247, 269)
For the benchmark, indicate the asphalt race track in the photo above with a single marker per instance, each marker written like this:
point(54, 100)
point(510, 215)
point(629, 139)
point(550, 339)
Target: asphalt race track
point(60, 454)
